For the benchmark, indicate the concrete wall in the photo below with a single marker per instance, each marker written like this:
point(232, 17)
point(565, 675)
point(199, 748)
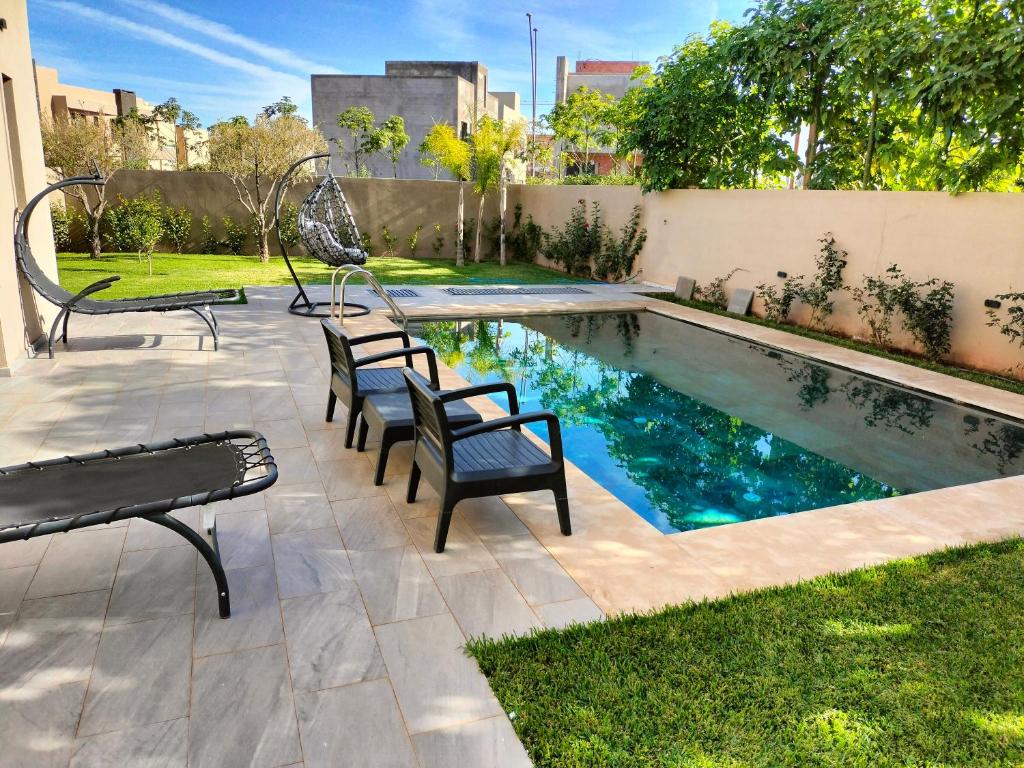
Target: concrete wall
point(399, 204)
point(973, 240)
point(23, 316)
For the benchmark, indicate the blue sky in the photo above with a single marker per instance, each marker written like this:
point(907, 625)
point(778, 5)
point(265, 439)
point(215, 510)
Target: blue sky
point(226, 57)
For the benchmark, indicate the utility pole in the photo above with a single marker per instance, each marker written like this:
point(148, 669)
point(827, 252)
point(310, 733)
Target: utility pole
point(532, 30)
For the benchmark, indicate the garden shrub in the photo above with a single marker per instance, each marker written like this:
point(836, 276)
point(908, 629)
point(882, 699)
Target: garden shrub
point(877, 302)
point(235, 236)
point(366, 242)
point(574, 247)
point(437, 244)
point(618, 253)
point(468, 231)
point(525, 238)
point(413, 241)
point(289, 228)
point(389, 240)
point(177, 227)
point(136, 225)
point(65, 221)
point(714, 292)
point(818, 295)
point(210, 242)
point(1010, 322)
point(491, 236)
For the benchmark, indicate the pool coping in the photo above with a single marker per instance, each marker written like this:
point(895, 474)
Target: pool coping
point(625, 564)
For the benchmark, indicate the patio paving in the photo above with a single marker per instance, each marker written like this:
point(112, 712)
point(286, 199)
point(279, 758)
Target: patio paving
point(345, 642)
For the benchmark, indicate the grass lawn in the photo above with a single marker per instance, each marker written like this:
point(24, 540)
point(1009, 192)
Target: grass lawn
point(173, 272)
point(915, 663)
point(981, 377)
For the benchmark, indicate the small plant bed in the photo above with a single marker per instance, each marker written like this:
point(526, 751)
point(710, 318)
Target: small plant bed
point(918, 662)
point(174, 272)
point(979, 377)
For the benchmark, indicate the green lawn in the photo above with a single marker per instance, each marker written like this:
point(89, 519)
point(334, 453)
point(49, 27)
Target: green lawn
point(980, 377)
point(174, 272)
point(917, 663)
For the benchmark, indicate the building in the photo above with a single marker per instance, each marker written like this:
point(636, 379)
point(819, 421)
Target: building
point(611, 77)
point(173, 147)
point(23, 315)
point(422, 93)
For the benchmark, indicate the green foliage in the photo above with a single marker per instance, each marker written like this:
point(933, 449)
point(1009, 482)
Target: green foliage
point(136, 224)
point(584, 122)
point(618, 253)
point(587, 179)
point(579, 243)
point(714, 292)
point(289, 224)
point(210, 242)
point(413, 241)
point(525, 238)
point(437, 244)
point(65, 221)
point(912, 663)
point(393, 140)
point(366, 242)
point(178, 227)
point(390, 241)
point(491, 235)
point(358, 122)
point(235, 235)
point(779, 302)
point(1010, 321)
point(468, 230)
point(877, 300)
point(818, 294)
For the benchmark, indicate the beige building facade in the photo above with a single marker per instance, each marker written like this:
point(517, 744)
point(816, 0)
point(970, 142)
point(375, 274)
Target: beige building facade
point(23, 315)
point(173, 147)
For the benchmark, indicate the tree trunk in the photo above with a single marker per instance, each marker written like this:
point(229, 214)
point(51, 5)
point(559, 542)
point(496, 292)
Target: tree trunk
point(460, 245)
point(502, 203)
point(95, 243)
point(869, 155)
point(264, 245)
point(479, 227)
point(812, 151)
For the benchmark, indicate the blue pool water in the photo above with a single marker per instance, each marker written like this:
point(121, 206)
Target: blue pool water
point(692, 428)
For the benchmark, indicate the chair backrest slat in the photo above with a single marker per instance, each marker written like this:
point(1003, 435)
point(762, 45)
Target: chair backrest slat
point(342, 359)
point(429, 415)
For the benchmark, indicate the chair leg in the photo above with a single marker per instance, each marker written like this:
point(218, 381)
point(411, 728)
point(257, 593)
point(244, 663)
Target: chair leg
point(354, 410)
point(332, 400)
point(562, 506)
point(53, 330)
point(414, 482)
point(364, 431)
point(210, 554)
point(211, 325)
point(444, 520)
point(64, 329)
point(382, 459)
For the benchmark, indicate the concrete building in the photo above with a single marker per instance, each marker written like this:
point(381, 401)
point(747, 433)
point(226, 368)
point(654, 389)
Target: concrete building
point(23, 316)
point(422, 93)
point(610, 77)
point(173, 147)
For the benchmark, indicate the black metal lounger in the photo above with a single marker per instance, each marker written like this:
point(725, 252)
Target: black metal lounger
point(81, 303)
point(147, 481)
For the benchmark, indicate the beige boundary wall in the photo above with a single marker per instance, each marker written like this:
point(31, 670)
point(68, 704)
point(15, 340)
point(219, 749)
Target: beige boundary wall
point(974, 240)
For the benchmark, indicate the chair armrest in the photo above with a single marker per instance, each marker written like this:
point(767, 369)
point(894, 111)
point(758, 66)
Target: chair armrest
point(355, 341)
point(99, 285)
point(407, 353)
point(485, 389)
point(515, 422)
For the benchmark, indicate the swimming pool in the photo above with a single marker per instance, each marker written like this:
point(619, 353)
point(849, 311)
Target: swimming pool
point(692, 428)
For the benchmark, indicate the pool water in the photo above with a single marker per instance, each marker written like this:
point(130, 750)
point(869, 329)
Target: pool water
point(693, 428)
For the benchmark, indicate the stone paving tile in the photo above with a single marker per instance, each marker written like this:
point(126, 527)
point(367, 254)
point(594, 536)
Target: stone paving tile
point(561, 615)
point(244, 539)
point(292, 508)
point(143, 534)
point(79, 562)
point(437, 685)
point(463, 552)
point(372, 735)
point(396, 585)
point(140, 676)
point(491, 742)
point(152, 583)
point(160, 745)
point(486, 603)
point(311, 562)
point(369, 524)
point(255, 612)
point(242, 713)
point(13, 585)
point(37, 731)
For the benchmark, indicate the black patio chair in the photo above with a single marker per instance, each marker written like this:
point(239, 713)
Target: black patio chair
point(199, 302)
point(145, 481)
point(487, 459)
point(353, 381)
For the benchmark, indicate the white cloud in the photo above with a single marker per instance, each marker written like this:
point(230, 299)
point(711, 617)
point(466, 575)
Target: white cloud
point(280, 56)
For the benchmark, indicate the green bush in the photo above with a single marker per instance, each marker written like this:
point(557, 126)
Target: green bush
point(1011, 322)
point(413, 241)
point(177, 227)
point(575, 246)
point(235, 235)
point(65, 222)
point(714, 292)
point(210, 242)
point(437, 244)
point(366, 241)
point(618, 253)
point(525, 238)
point(135, 224)
point(818, 295)
point(468, 231)
point(289, 228)
point(390, 240)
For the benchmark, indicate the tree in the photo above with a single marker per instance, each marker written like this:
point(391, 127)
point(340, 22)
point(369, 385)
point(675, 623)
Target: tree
point(256, 156)
point(363, 137)
point(454, 155)
point(393, 140)
point(583, 122)
point(493, 145)
point(166, 113)
point(77, 146)
point(136, 224)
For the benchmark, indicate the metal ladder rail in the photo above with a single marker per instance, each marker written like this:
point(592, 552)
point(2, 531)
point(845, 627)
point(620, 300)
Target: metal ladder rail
point(351, 269)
